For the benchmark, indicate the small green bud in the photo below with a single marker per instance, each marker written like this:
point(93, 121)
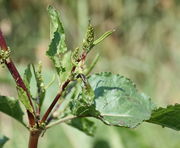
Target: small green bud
point(4, 55)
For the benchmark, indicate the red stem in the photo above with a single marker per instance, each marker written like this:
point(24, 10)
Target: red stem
point(33, 138)
point(55, 101)
point(44, 118)
point(15, 74)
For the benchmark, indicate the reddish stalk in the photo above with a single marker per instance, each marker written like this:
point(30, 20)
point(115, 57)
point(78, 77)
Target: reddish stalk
point(44, 118)
point(55, 101)
point(33, 138)
point(15, 74)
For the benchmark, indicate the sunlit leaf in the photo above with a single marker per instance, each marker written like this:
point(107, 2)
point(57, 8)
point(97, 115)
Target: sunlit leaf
point(118, 101)
point(57, 45)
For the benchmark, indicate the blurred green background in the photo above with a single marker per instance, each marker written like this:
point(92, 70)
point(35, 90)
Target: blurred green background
point(145, 48)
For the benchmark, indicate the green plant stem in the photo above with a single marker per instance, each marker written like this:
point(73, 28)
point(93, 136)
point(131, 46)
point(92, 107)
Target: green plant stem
point(33, 138)
point(92, 65)
point(61, 121)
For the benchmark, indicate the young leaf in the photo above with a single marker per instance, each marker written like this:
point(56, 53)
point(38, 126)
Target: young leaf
point(41, 91)
point(118, 101)
point(82, 103)
point(167, 117)
point(11, 107)
point(3, 140)
point(83, 124)
point(66, 62)
point(22, 96)
point(27, 77)
point(105, 35)
point(57, 45)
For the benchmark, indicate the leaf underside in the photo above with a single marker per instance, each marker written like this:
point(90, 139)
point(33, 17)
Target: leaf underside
point(118, 101)
point(11, 107)
point(167, 117)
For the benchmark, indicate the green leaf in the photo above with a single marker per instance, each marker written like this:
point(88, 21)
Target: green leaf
point(3, 140)
point(82, 103)
point(167, 117)
point(22, 96)
point(41, 91)
point(83, 124)
point(57, 45)
point(11, 107)
point(67, 64)
point(27, 77)
point(118, 101)
point(105, 35)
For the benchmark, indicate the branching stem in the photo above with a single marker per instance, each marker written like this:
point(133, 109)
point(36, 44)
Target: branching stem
point(61, 121)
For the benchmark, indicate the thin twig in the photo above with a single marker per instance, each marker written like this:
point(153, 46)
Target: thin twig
point(55, 100)
point(61, 121)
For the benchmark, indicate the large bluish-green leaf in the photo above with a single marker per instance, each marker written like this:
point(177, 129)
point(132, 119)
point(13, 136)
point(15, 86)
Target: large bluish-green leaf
point(3, 140)
point(167, 117)
point(83, 124)
point(11, 107)
point(118, 101)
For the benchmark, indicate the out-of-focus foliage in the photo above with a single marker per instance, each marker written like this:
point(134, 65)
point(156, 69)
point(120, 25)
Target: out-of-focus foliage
point(145, 47)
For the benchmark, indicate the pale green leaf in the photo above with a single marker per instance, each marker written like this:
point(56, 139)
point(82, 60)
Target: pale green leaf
point(3, 140)
point(22, 96)
point(11, 107)
point(167, 117)
point(118, 101)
